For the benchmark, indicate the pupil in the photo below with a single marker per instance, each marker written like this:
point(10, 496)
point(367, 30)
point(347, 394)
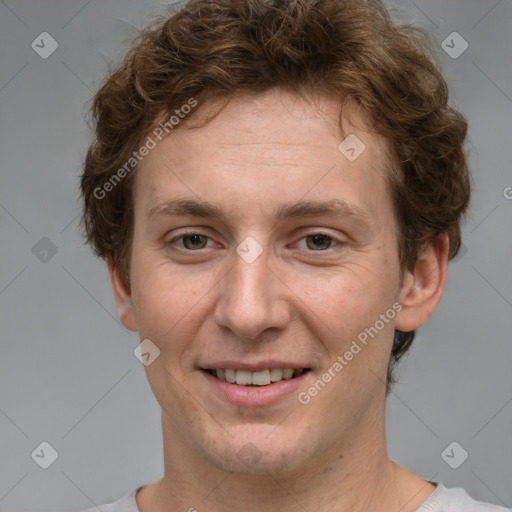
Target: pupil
point(320, 241)
point(194, 240)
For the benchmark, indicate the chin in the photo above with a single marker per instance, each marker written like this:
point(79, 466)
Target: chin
point(259, 449)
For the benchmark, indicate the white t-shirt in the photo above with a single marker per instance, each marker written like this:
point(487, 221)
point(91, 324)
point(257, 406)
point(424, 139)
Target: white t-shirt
point(441, 500)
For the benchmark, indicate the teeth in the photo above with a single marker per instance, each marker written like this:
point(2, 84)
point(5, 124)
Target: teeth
point(259, 378)
point(287, 373)
point(243, 377)
point(276, 374)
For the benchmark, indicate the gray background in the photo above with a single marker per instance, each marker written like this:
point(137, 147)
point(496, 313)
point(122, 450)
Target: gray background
point(68, 373)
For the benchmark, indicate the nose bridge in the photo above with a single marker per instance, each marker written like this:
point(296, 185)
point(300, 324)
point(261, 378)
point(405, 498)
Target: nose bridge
point(250, 300)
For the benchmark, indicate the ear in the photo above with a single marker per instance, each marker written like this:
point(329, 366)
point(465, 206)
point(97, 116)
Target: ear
point(423, 287)
point(123, 296)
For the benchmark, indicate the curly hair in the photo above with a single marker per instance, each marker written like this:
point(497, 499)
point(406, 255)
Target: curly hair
point(347, 49)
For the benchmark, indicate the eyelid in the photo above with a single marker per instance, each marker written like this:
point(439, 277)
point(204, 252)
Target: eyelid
point(174, 239)
point(338, 241)
point(305, 234)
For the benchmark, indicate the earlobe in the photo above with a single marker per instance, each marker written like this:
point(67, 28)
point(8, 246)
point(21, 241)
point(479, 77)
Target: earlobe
point(423, 287)
point(123, 296)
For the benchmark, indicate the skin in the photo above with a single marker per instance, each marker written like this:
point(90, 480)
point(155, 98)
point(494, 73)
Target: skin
point(296, 302)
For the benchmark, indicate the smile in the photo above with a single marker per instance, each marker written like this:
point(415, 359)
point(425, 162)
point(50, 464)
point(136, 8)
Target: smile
point(257, 378)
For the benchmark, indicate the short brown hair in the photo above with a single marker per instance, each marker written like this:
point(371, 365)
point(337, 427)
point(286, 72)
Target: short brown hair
point(347, 49)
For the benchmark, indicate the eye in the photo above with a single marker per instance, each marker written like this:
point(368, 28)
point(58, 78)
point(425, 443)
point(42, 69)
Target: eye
point(318, 241)
point(190, 241)
point(313, 242)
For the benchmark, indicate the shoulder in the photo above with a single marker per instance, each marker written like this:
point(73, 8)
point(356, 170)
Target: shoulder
point(126, 503)
point(456, 500)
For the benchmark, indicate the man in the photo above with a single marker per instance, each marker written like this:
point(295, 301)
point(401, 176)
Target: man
point(277, 188)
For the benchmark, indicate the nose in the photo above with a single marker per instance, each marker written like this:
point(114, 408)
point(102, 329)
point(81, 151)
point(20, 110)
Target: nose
point(252, 299)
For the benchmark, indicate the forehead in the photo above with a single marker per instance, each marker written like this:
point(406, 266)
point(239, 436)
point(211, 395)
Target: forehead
point(276, 141)
point(276, 118)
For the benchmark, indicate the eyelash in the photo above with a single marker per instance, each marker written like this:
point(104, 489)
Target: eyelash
point(336, 241)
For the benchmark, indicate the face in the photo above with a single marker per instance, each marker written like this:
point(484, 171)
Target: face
point(261, 253)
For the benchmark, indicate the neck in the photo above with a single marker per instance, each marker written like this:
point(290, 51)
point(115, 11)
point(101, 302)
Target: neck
point(356, 478)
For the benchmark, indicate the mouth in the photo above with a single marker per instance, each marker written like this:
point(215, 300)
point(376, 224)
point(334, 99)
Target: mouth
point(260, 378)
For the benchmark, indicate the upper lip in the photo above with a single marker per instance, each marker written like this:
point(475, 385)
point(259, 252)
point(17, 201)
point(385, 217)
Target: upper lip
point(252, 366)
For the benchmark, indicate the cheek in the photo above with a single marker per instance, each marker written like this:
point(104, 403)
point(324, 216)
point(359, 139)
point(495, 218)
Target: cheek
point(165, 305)
point(160, 297)
point(346, 307)
point(353, 295)
point(170, 304)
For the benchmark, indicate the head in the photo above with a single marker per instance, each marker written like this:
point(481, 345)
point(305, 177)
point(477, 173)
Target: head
point(243, 105)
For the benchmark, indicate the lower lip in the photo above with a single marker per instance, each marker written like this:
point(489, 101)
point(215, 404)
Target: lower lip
point(255, 396)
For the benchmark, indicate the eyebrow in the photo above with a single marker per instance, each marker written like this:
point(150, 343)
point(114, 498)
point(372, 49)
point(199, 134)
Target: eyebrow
point(300, 209)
